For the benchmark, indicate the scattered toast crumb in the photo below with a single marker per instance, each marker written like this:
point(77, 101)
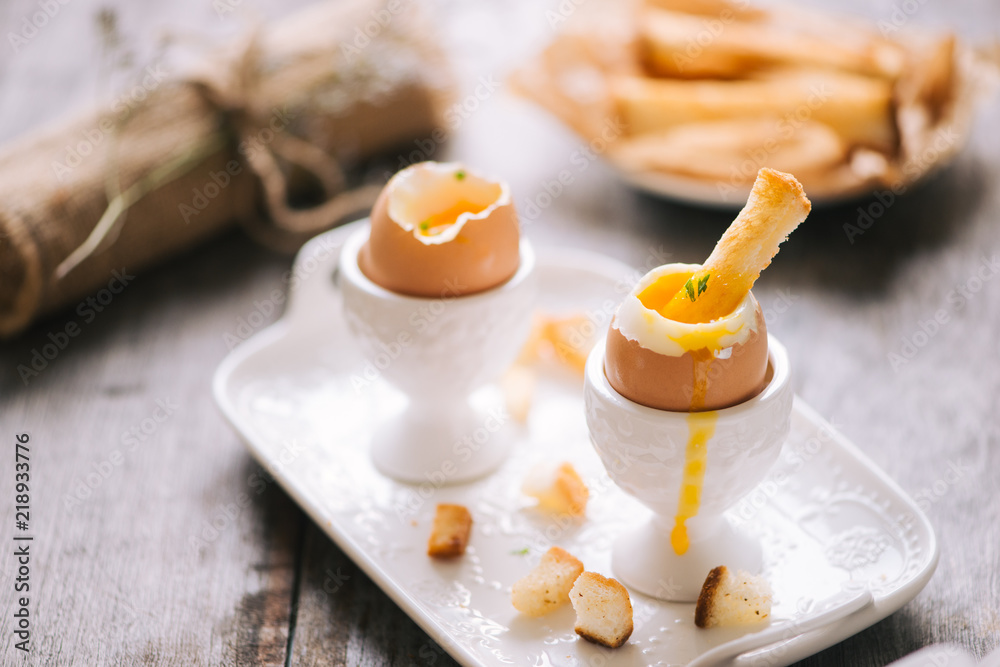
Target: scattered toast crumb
point(558, 488)
point(547, 586)
point(571, 339)
point(450, 534)
point(560, 341)
point(732, 599)
point(518, 385)
point(603, 610)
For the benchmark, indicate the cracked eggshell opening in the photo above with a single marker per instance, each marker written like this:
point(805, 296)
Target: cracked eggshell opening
point(476, 252)
point(649, 360)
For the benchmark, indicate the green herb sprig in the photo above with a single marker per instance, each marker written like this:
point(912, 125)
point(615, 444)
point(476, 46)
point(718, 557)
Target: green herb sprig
point(694, 290)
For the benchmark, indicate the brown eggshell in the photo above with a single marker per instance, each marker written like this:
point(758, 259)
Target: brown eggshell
point(666, 383)
point(485, 254)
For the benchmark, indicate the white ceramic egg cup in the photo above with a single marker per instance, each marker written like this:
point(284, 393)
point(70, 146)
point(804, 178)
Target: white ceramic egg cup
point(439, 352)
point(643, 450)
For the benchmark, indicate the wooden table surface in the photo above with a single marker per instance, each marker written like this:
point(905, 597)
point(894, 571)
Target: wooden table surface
point(113, 578)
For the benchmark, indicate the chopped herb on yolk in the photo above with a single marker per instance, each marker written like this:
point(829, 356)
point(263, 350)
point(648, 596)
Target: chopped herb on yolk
point(689, 287)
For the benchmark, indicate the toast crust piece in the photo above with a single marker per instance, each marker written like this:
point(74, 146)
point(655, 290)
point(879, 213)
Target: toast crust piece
point(547, 587)
point(706, 599)
point(603, 610)
point(450, 533)
point(560, 490)
point(732, 599)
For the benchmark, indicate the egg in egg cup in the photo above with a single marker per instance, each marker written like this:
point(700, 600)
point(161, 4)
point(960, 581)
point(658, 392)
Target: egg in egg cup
point(647, 453)
point(689, 400)
point(439, 292)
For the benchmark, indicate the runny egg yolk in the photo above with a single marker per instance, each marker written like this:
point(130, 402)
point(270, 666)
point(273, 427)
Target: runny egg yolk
point(701, 425)
point(438, 222)
point(658, 295)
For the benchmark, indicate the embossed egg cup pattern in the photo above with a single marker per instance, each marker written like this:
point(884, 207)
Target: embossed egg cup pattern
point(643, 450)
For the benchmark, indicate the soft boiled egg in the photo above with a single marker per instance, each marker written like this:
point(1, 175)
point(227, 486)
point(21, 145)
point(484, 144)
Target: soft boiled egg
point(440, 229)
point(681, 367)
point(691, 338)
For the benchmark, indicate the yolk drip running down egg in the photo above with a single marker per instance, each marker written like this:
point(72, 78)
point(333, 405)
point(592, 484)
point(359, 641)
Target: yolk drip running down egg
point(440, 229)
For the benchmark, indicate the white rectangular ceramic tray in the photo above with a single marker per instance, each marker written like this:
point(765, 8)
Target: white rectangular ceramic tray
point(301, 397)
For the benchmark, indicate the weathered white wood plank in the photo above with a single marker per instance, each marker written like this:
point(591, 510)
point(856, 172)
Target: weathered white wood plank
point(344, 619)
point(163, 545)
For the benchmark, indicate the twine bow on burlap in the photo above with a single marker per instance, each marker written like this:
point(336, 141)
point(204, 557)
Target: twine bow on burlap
point(284, 227)
point(261, 143)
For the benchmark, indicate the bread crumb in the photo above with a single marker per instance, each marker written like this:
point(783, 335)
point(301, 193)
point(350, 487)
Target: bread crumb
point(732, 599)
point(558, 488)
point(547, 586)
point(603, 610)
point(450, 533)
point(518, 385)
point(560, 341)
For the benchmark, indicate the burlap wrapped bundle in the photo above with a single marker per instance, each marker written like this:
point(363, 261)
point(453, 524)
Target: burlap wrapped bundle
point(264, 122)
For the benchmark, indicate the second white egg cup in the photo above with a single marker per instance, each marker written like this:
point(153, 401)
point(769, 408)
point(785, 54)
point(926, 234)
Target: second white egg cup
point(643, 450)
point(439, 352)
